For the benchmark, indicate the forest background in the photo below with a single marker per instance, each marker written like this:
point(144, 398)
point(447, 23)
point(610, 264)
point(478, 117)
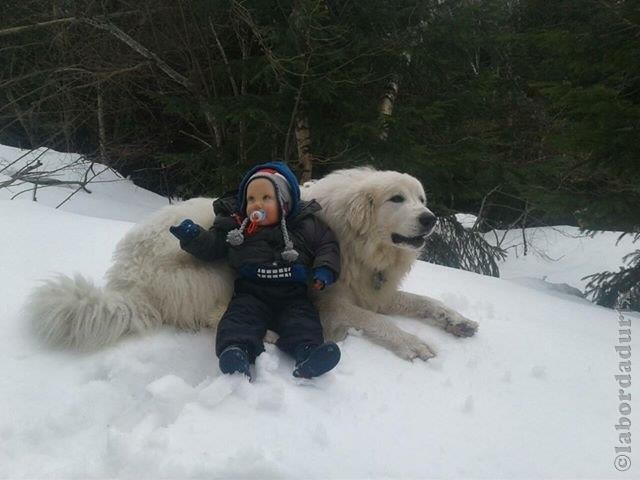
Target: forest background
point(523, 113)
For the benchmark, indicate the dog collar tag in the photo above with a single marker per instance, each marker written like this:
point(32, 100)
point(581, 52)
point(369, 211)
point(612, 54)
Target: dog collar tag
point(378, 279)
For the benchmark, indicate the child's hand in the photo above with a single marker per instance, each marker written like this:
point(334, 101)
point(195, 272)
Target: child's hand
point(322, 277)
point(187, 230)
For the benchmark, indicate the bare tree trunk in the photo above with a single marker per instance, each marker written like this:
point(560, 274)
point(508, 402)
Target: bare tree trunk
point(19, 115)
point(387, 104)
point(102, 130)
point(243, 92)
point(296, 114)
point(60, 41)
point(212, 122)
point(524, 226)
point(303, 141)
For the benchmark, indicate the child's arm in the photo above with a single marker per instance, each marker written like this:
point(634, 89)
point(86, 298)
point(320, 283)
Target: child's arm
point(207, 245)
point(326, 264)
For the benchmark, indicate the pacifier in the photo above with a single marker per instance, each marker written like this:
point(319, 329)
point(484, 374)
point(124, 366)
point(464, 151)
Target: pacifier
point(257, 216)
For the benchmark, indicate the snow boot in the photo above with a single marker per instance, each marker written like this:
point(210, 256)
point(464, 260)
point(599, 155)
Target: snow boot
point(314, 360)
point(235, 359)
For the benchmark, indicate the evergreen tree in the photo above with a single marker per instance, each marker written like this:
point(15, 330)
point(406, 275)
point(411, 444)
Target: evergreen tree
point(584, 62)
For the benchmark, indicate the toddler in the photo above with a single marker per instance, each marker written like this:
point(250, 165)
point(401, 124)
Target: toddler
point(277, 245)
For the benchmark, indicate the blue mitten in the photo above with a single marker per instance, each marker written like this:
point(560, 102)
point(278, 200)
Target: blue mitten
point(186, 231)
point(323, 275)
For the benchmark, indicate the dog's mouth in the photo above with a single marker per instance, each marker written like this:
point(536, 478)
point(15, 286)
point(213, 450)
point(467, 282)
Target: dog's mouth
point(414, 242)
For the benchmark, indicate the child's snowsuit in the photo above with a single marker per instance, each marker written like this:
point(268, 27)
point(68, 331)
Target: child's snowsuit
point(270, 293)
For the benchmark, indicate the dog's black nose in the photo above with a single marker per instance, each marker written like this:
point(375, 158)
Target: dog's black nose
point(428, 220)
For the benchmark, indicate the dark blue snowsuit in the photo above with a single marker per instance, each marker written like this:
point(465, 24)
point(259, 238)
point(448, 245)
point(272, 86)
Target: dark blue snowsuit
point(270, 293)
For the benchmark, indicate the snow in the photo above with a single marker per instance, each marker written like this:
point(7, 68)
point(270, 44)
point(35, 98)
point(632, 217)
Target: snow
point(467, 220)
point(562, 254)
point(532, 395)
point(111, 196)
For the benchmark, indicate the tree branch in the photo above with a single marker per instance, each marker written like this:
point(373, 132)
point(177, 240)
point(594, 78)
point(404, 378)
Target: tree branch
point(58, 21)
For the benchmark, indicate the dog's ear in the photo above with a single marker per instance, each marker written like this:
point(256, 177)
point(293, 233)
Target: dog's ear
point(360, 212)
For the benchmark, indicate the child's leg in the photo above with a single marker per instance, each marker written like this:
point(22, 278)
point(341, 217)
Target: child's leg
point(300, 331)
point(244, 324)
point(298, 323)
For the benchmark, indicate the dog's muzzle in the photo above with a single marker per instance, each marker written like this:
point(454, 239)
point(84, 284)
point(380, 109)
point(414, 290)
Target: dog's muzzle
point(428, 223)
point(414, 242)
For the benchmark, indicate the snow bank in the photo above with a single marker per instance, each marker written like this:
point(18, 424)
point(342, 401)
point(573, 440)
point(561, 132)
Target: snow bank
point(111, 195)
point(561, 254)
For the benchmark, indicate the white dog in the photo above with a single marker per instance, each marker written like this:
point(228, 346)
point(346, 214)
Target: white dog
point(381, 221)
point(379, 217)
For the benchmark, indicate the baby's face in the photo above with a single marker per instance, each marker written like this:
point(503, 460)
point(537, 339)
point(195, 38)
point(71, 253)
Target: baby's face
point(261, 195)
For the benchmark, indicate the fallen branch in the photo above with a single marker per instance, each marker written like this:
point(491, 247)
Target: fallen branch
point(53, 181)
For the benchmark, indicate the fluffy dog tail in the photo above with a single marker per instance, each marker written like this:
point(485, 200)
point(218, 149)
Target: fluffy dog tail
point(73, 312)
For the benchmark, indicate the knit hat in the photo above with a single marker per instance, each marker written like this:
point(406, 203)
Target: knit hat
point(287, 191)
point(279, 183)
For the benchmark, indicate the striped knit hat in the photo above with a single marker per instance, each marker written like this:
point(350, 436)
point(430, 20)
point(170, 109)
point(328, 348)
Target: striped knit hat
point(279, 183)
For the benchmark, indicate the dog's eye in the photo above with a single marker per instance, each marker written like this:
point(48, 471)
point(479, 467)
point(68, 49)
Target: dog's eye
point(397, 199)
point(422, 200)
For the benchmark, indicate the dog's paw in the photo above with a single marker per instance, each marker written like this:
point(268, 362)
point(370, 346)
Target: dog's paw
point(461, 327)
point(449, 320)
point(412, 347)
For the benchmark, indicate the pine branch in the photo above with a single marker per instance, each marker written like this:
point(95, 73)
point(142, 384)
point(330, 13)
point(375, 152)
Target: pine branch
point(454, 246)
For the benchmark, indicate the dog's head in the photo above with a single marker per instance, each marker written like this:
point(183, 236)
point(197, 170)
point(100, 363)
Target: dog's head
point(391, 207)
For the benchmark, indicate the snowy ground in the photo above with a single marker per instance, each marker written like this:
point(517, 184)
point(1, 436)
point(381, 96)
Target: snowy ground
point(111, 197)
point(532, 395)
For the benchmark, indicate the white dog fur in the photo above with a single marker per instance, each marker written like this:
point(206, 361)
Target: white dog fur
point(152, 282)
